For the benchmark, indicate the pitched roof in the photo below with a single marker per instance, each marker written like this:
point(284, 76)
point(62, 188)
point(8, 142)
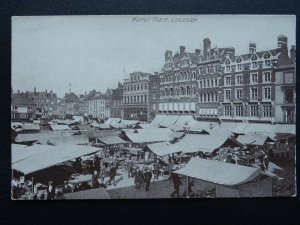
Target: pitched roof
point(19, 99)
point(219, 172)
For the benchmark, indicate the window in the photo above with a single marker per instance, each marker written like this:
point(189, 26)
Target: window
point(142, 98)
point(204, 97)
point(253, 78)
point(227, 81)
point(208, 82)
point(253, 92)
point(216, 82)
point(227, 69)
point(253, 110)
point(289, 95)
point(145, 86)
point(134, 97)
point(239, 66)
point(267, 93)
point(216, 97)
point(138, 87)
point(267, 63)
point(216, 68)
point(238, 94)
point(227, 95)
point(267, 111)
point(200, 83)
point(267, 77)
point(145, 98)
point(227, 110)
point(204, 83)
point(238, 111)
point(194, 75)
point(254, 65)
point(138, 98)
point(194, 90)
point(238, 80)
point(131, 99)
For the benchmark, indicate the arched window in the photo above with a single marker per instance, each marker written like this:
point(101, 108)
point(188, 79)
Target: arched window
point(145, 85)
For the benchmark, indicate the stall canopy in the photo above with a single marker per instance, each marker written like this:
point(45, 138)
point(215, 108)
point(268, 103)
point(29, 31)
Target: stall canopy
point(169, 121)
point(60, 127)
point(217, 172)
point(111, 140)
point(20, 152)
point(158, 119)
point(253, 139)
point(191, 143)
point(50, 156)
point(149, 135)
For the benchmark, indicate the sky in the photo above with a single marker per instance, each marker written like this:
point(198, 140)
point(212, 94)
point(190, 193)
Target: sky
point(96, 52)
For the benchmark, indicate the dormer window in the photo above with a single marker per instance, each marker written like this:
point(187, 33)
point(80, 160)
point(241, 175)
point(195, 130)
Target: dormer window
point(267, 62)
point(227, 68)
point(254, 65)
point(239, 66)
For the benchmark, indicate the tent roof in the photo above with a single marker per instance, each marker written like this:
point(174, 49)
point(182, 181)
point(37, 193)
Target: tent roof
point(20, 152)
point(169, 120)
point(60, 127)
point(190, 143)
point(111, 140)
point(218, 172)
point(50, 156)
point(149, 135)
point(252, 138)
point(158, 119)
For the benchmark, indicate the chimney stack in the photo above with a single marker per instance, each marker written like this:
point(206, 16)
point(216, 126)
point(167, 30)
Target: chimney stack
point(206, 44)
point(282, 41)
point(168, 53)
point(252, 47)
point(293, 54)
point(34, 90)
point(197, 51)
point(181, 50)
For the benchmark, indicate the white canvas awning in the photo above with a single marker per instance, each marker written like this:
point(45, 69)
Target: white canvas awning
point(50, 156)
point(186, 106)
point(193, 106)
point(218, 172)
point(111, 140)
point(176, 106)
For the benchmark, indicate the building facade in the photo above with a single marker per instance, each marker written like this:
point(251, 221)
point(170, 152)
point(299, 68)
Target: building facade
point(98, 106)
point(22, 108)
point(209, 80)
point(117, 102)
point(178, 83)
point(254, 85)
point(136, 96)
point(153, 95)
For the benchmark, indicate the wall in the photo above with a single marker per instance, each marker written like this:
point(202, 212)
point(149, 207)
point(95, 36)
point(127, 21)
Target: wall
point(261, 188)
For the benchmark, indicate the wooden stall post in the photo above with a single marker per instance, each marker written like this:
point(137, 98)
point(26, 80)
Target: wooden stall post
point(187, 187)
point(32, 185)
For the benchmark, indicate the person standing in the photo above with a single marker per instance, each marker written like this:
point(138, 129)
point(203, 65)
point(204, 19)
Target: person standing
point(112, 174)
point(95, 182)
point(170, 166)
point(156, 169)
point(102, 172)
point(148, 176)
point(130, 167)
point(50, 191)
point(266, 162)
point(177, 183)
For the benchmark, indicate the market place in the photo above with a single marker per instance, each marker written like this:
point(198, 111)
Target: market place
point(171, 157)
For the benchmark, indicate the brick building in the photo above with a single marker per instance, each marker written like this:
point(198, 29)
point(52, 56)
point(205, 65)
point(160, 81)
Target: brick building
point(178, 83)
point(98, 105)
point(153, 95)
point(22, 107)
point(117, 102)
point(136, 96)
point(254, 84)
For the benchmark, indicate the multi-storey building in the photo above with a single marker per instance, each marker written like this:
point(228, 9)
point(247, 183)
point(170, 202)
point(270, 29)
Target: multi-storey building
point(117, 102)
point(254, 84)
point(71, 101)
point(153, 95)
point(136, 96)
point(98, 105)
point(44, 101)
point(178, 83)
point(22, 107)
point(209, 78)
point(80, 108)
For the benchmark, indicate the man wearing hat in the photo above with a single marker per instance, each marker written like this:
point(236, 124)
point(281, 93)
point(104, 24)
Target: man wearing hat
point(148, 176)
point(50, 191)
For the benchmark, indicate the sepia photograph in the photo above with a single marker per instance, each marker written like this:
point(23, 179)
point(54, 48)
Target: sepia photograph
point(153, 107)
